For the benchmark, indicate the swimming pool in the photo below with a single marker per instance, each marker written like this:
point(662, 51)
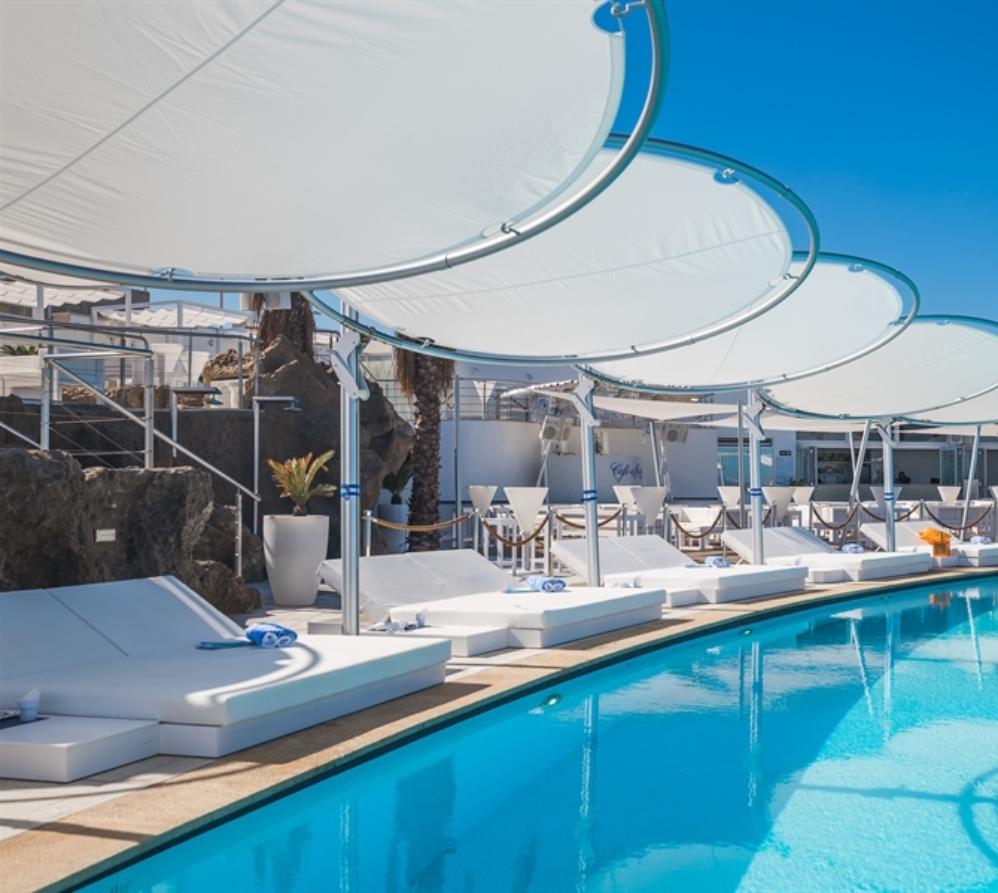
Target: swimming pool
point(853, 747)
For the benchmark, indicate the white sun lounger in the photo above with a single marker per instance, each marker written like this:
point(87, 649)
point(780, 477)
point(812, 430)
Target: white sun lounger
point(907, 539)
point(459, 588)
point(651, 561)
point(798, 547)
point(126, 650)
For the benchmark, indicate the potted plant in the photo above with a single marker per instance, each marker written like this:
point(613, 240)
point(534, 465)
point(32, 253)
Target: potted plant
point(396, 511)
point(295, 545)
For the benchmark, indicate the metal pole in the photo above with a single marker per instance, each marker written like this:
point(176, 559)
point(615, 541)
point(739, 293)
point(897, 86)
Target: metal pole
point(475, 530)
point(350, 496)
point(367, 532)
point(854, 490)
point(39, 302)
point(741, 464)
point(548, 537)
point(755, 494)
point(239, 534)
point(239, 378)
point(256, 368)
point(46, 421)
point(190, 358)
point(589, 495)
point(654, 454)
point(458, 538)
point(256, 462)
point(970, 479)
point(174, 426)
point(150, 400)
point(889, 517)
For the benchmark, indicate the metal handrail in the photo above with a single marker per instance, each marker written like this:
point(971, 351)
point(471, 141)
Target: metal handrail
point(68, 342)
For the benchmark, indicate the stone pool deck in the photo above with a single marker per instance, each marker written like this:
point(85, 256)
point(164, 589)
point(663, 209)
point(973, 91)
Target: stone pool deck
point(53, 837)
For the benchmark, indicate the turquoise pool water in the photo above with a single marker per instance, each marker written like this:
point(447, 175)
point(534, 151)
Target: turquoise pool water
point(848, 748)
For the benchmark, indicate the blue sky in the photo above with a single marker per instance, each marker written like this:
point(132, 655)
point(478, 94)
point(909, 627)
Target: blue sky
point(882, 116)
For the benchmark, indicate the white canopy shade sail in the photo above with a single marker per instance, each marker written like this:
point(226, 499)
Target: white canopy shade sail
point(25, 294)
point(935, 362)
point(844, 308)
point(190, 316)
point(674, 251)
point(771, 421)
point(292, 138)
point(660, 411)
point(980, 410)
point(961, 430)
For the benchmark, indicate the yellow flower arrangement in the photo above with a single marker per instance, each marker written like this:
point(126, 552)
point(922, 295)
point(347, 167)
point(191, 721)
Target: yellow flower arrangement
point(938, 539)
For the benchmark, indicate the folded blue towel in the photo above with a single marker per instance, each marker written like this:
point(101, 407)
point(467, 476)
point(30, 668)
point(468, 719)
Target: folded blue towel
point(981, 540)
point(271, 635)
point(224, 643)
point(853, 549)
point(546, 584)
point(717, 561)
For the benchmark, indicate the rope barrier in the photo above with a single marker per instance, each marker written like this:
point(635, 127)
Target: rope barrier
point(738, 526)
point(698, 535)
point(602, 523)
point(515, 544)
point(420, 528)
point(903, 517)
point(987, 512)
point(825, 524)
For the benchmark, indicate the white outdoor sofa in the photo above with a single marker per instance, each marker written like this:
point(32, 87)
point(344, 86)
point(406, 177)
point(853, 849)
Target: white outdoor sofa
point(457, 592)
point(907, 539)
point(126, 651)
point(797, 547)
point(650, 561)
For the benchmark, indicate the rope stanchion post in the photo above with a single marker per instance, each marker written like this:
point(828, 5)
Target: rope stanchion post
point(239, 534)
point(548, 557)
point(476, 530)
point(367, 532)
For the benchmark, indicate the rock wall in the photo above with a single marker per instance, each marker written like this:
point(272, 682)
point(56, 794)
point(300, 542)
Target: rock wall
point(53, 508)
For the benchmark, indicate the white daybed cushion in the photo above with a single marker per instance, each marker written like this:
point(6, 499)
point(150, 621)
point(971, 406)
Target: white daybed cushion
point(220, 688)
point(147, 616)
point(907, 539)
point(864, 566)
point(620, 555)
point(390, 581)
point(778, 542)
point(38, 634)
point(720, 584)
point(531, 610)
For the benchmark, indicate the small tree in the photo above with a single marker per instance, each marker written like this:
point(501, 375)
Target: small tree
point(296, 479)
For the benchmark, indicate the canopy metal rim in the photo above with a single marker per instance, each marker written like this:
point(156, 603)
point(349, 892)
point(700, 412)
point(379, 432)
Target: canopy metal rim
point(508, 235)
point(656, 147)
point(896, 329)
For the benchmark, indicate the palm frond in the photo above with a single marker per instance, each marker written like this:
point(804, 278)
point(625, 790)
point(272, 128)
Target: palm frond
point(296, 479)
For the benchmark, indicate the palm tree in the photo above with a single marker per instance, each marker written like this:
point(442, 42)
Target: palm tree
point(296, 324)
point(424, 380)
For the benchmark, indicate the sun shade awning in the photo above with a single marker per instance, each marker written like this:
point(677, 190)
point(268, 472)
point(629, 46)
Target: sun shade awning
point(25, 294)
point(288, 138)
point(980, 410)
point(190, 316)
point(661, 411)
point(935, 362)
point(845, 307)
point(771, 421)
point(675, 249)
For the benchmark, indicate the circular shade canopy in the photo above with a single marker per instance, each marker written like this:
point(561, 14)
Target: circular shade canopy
point(845, 307)
point(982, 410)
point(291, 138)
point(936, 361)
point(25, 294)
point(673, 251)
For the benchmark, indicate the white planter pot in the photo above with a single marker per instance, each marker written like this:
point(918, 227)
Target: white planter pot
point(394, 539)
point(293, 548)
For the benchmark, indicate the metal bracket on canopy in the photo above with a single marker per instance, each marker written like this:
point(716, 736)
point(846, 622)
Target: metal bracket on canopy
point(752, 417)
point(619, 10)
point(348, 342)
point(578, 397)
point(883, 427)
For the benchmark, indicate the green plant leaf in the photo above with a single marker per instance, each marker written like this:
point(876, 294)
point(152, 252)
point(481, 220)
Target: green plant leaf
point(296, 479)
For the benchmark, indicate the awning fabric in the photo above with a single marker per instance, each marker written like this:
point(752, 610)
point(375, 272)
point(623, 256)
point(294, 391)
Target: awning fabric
point(291, 137)
point(962, 430)
point(24, 294)
point(661, 411)
point(934, 362)
point(842, 308)
point(976, 411)
point(192, 317)
point(775, 422)
point(666, 253)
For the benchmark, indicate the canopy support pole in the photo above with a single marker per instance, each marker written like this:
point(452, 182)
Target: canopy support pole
point(654, 453)
point(970, 480)
point(854, 490)
point(582, 397)
point(741, 463)
point(458, 528)
point(755, 479)
point(345, 361)
point(889, 515)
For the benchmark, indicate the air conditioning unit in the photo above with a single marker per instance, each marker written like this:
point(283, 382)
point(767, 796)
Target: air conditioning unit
point(554, 434)
point(675, 432)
